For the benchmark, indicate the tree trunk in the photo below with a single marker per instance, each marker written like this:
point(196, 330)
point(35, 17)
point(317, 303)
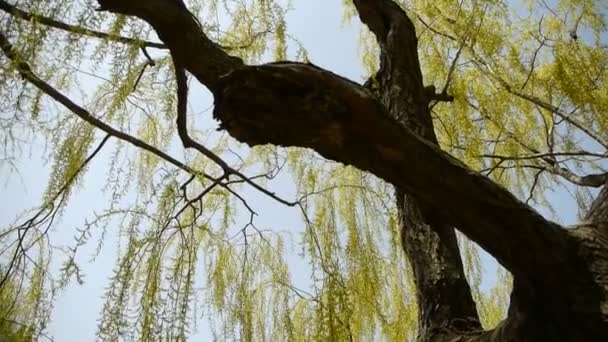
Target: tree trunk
point(444, 297)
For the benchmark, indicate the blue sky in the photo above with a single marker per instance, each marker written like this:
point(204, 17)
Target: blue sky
point(331, 45)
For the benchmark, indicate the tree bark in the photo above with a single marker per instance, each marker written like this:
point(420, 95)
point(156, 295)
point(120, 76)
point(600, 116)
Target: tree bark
point(446, 306)
point(560, 275)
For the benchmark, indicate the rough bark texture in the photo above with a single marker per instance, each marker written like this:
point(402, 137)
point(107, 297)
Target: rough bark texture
point(560, 276)
point(446, 306)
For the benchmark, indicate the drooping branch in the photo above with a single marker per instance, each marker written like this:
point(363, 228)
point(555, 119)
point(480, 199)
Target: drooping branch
point(21, 14)
point(552, 165)
point(182, 124)
point(548, 160)
point(599, 138)
point(81, 30)
point(26, 72)
point(188, 142)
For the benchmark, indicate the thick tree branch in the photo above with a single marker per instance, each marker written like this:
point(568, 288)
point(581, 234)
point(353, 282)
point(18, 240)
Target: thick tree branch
point(292, 104)
point(598, 212)
point(181, 32)
point(343, 122)
point(18, 13)
point(592, 234)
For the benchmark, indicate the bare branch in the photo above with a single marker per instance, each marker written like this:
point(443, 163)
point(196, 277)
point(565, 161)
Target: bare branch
point(18, 13)
point(533, 62)
point(556, 110)
point(27, 73)
point(188, 142)
point(546, 155)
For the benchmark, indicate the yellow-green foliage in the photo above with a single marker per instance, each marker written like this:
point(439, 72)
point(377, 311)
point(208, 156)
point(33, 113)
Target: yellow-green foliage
point(25, 303)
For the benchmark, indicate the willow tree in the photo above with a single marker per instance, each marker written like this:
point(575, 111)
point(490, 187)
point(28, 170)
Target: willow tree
point(464, 101)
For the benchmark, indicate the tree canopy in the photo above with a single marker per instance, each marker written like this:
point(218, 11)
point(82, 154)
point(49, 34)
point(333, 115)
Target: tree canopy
point(471, 113)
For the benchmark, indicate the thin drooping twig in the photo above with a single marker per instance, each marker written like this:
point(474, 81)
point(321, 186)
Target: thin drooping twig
point(535, 100)
point(533, 62)
point(533, 187)
point(27, 73)
point(150, 63)
point(24, 15)
point(51, 207)
point(188, 142)
point(557, 111)
point(182, 123)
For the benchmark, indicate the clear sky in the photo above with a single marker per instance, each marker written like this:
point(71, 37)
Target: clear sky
point(332, 45)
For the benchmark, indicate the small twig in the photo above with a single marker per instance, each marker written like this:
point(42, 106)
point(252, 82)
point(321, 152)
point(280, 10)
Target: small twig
point(188, 142)
point(150, 63)
point(150, 60)
point(184, 187)
point(533, 62)
point(546, 155)
point(26, 72)
point(534, 184)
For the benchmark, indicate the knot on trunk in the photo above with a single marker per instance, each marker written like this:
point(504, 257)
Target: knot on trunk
point(291, 104)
